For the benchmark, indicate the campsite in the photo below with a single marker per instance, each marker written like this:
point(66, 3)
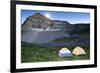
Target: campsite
point(44, 40)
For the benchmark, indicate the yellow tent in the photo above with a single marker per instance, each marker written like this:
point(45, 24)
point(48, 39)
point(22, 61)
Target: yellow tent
point(78, 51)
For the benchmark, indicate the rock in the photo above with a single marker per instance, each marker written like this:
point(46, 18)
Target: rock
point(78, 51)
point(65, 52)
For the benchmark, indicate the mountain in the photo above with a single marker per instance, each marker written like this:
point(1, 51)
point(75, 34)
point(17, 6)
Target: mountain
point(40, 29)
point(40, 21)
point(36, 21)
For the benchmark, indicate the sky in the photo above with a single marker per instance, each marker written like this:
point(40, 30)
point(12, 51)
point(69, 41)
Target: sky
point(71, 17)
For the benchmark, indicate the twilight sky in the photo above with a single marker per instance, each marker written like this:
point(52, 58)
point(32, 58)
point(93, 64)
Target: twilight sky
point(71, 17)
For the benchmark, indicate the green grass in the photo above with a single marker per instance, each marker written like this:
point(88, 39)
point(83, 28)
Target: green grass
point(35, 53)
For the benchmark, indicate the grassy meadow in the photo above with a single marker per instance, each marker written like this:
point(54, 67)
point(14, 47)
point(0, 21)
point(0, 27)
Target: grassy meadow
point(36, 53)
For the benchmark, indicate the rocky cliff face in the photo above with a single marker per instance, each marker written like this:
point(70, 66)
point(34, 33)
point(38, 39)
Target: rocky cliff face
point(40, 21)
point(36, 21)
point(58, 24)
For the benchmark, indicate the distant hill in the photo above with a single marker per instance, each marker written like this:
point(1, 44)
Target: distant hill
point(80, 28)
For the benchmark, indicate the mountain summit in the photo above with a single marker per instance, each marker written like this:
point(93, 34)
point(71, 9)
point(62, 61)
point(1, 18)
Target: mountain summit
point(39, 16)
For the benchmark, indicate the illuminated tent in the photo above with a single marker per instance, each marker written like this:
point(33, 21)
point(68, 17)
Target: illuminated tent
point(78, 51)
point(65, 52)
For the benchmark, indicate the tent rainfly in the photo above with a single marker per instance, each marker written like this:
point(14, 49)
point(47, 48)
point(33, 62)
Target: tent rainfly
point(78, 51)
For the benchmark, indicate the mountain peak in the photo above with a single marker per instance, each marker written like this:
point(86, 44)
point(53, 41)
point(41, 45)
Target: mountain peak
point(39, 15)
